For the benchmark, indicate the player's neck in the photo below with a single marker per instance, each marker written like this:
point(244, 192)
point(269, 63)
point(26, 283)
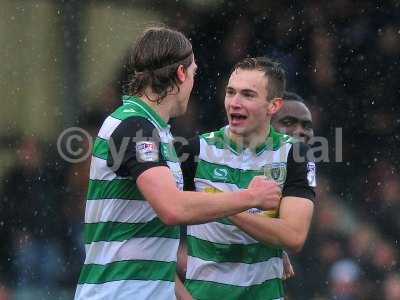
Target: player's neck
point(252, 140)
point(162, 107)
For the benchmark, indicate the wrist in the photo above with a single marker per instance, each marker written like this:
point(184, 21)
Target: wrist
point(251, 198)
point(235, 219)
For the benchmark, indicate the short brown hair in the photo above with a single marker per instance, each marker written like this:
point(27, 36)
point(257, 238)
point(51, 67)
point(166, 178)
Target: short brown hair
point(272, 70)
point(154, 59)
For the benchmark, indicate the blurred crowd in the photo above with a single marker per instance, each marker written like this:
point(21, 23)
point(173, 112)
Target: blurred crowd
point(341, 56)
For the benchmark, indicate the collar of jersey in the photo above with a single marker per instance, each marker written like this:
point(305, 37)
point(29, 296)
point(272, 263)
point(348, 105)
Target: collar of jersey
point(126, 99)
point(271, 143)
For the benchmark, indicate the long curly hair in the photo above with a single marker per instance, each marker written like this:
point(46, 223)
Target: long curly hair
point(154, 59)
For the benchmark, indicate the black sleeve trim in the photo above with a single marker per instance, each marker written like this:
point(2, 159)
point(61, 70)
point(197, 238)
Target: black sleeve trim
point(127, 135)
point(297, 184)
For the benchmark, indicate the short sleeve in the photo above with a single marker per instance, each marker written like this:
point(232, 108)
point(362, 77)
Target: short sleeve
point(301, 173)
point(134, 148)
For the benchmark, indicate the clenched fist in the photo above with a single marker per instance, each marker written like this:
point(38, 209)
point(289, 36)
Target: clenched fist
point(266, 191)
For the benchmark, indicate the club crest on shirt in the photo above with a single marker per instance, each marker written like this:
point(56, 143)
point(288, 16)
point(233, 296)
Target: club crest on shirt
point(147, 151)
point(276, 171)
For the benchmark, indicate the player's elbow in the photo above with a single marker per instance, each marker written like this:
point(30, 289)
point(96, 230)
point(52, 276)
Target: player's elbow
point(296, 248)
point(170, 212)
point(169, 217)
point(172, 215)
point(296, 244)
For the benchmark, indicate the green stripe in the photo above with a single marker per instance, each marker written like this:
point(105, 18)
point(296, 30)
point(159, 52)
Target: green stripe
point(168, 152)
point(115, 189)
point(126, 111)
point(268, 290)
point(238, 177)
point(128, 270)
point(220, 140)
point(115, 231)
point(100, 148)
point(235, 253)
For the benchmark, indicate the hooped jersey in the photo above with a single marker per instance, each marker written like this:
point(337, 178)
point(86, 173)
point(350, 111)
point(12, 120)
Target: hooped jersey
point(223, 261)
point(130, 252)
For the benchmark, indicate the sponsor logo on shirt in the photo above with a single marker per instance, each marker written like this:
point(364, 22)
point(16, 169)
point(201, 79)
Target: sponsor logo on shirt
point(147, 151)
point(221, 173)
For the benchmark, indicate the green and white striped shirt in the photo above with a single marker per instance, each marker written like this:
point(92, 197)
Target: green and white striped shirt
point(223, 261)
point(130, 253)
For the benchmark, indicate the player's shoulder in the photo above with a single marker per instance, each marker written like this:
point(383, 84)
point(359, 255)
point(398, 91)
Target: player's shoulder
point(300, 149)
point(293, 146)
point(279, 139)
point(213, 137)
point(126, 111)
point(137, 126)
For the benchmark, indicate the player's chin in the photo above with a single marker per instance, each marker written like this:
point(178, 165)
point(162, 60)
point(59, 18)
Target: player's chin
point(236, 129)
point(179, 111)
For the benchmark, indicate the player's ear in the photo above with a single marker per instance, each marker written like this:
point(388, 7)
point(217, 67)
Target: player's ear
point(181, 73)
point(275, 105)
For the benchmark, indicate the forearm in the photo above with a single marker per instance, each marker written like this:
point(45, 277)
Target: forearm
point(177, 207)
point(271, 231)
point(180, 290)
point(201, 207)
point(289, 231)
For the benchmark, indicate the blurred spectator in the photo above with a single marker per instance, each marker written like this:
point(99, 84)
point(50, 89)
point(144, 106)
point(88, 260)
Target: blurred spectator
point(4, 293)
point(345, 280)
point(391, 286)
point(33, 221)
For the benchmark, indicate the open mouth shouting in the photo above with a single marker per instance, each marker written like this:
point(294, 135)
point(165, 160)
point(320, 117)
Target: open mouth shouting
point(237, 119)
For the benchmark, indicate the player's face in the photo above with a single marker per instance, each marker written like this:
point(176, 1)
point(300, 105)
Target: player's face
point(294, 119)
point(246, 103)
point(186, 88)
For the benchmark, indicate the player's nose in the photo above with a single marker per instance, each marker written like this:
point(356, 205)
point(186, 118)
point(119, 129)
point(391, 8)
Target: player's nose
point(235, 101)
point(301, 133)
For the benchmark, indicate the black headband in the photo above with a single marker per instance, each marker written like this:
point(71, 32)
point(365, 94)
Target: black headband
point(161, 65)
